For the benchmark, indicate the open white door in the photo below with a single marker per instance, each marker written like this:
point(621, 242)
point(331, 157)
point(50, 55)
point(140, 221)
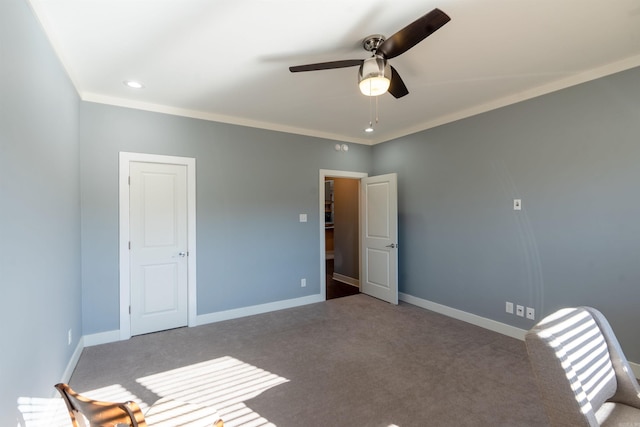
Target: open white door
point(159, 246)
point(379, 222)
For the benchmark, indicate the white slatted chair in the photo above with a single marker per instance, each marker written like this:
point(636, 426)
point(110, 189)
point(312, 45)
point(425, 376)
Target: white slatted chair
point(581, 372)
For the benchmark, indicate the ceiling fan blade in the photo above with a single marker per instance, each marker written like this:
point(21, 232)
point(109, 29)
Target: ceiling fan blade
point(326, 65)
point(397, 87)
point(413, 34)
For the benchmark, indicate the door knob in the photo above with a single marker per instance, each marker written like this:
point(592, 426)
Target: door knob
point(392, 246)
point(182, 254)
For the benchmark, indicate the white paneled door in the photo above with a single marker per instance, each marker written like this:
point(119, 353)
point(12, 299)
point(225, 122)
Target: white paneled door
point(159, 246)
point(379, 222)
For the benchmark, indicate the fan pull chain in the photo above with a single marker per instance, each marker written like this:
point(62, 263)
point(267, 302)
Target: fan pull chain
point(370, 112)
point(371, 120)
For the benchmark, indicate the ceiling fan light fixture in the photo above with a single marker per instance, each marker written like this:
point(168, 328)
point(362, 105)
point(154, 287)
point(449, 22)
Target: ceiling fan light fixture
point(374, 76)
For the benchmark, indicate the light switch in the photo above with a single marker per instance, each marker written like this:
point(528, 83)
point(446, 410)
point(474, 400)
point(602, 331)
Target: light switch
point(517, 204)
point(303, 217)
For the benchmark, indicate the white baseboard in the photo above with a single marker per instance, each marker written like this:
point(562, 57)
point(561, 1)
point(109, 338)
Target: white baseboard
point(256, 309)
point(73, 361)
point(346, 279)
point(113, 336)
point(101, 338)
point(483, 322)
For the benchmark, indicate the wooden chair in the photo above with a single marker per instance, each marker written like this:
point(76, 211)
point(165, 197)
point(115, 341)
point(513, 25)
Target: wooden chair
point(114, 414)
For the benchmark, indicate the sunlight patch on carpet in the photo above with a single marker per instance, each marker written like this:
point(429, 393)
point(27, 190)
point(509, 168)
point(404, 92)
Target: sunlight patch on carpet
point(223, 383)
point(219, 385)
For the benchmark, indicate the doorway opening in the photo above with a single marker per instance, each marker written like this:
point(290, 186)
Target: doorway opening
point(340, 233)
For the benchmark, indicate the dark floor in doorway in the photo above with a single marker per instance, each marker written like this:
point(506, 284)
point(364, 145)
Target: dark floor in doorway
point(336, 289)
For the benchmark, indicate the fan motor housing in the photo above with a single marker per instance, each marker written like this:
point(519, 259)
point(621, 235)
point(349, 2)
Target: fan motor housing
point(371, 43)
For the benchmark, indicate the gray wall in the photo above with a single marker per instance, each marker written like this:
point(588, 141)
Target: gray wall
point(39, 213)
point(251, 186)
point(573, 158)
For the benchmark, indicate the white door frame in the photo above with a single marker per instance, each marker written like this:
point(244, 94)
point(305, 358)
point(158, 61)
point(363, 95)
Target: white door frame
point(125, 276)
point(327, 173)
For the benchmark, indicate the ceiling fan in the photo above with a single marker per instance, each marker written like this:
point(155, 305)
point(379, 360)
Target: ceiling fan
point(376, 76)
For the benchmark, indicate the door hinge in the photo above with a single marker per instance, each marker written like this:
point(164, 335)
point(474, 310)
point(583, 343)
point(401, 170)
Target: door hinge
point(129, 180)
point(129, 309)
point(129, 244)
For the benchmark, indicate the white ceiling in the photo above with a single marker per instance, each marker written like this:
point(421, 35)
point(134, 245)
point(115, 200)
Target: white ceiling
point(228, 60)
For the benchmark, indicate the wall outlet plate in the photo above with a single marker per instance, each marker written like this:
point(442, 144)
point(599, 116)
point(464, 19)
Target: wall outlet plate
point(531, 313)
point(517, 204)
point(509, 307)
point(520, 310)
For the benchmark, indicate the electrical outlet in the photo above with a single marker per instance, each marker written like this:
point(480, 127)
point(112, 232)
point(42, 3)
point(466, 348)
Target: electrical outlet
point(531, 313)
point(509, 307)
point(303, 283)
point(69, 337)
point(520, 310)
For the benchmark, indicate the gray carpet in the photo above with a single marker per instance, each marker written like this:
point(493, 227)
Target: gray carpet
point(353, 361)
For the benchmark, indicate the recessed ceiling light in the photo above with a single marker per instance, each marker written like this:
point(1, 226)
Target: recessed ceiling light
point(369, 129)
point(133, 84)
